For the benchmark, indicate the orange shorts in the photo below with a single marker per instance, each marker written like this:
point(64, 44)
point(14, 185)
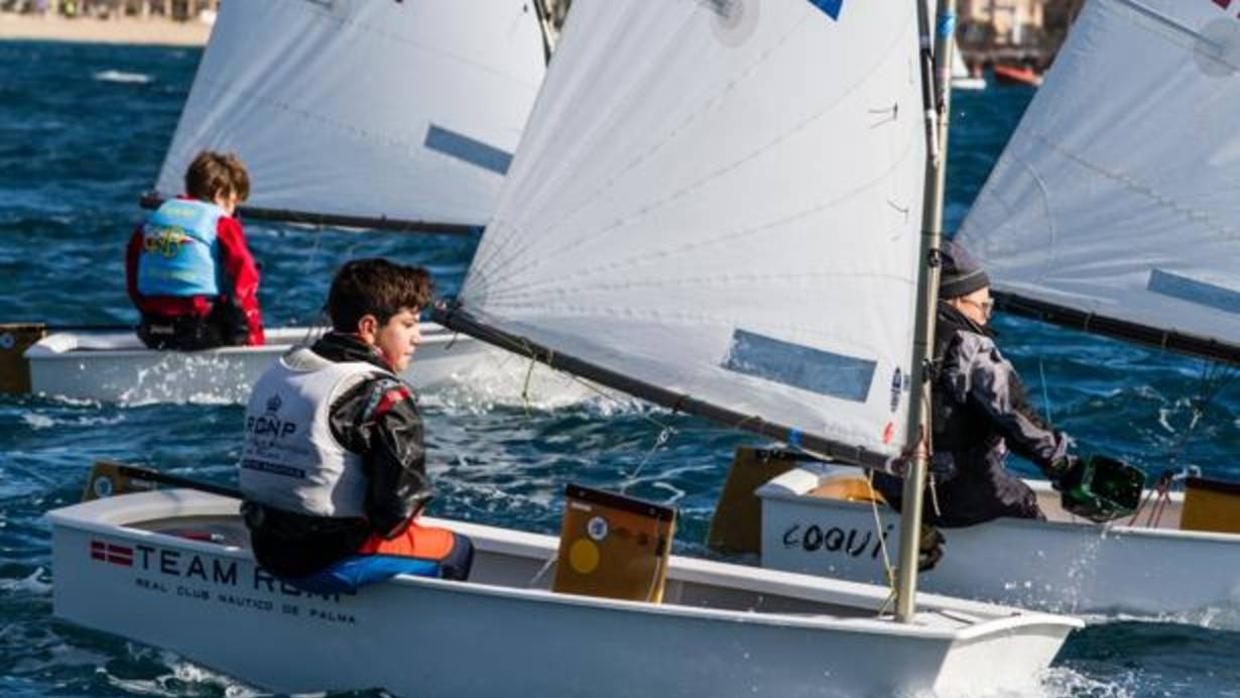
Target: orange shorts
point(422, 542)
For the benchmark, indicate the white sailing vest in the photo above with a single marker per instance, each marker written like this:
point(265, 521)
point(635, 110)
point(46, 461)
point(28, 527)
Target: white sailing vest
point(291, 460)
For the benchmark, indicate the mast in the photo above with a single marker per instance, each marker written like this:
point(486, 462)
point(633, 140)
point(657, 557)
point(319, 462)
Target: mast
point(546, 24)
point(935, 72)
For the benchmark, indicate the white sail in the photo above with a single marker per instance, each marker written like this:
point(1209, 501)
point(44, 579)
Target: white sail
point(1119, 194)
point(722, 198)
point(405, 110)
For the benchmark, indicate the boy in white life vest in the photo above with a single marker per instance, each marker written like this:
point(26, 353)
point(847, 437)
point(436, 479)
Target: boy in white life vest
point(188, 268)
point(333, 468)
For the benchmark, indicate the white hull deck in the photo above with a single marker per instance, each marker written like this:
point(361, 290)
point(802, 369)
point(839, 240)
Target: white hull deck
point(122, 565)
point(117, 367)
point(1062, 565)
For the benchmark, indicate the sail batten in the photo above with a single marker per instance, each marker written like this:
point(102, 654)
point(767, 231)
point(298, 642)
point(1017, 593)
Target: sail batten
point(1116, 205)
point(363, 110)
point(723, 199)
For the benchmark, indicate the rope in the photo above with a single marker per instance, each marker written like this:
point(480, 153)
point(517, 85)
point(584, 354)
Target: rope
point(1046, 396)
point(659, 442)
point(1213, 379)
point(888, 570)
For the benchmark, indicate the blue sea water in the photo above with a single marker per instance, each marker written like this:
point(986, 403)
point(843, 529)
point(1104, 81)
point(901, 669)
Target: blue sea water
point(82, 132)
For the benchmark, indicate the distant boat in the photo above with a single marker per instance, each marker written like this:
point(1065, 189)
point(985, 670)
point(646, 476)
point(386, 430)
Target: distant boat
point(961, 78)
point(392, 116)
point(1124, 224)
point(115, 367)
point(1016, 75)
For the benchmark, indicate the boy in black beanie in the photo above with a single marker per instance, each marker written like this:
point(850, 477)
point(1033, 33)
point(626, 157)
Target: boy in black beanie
point(979, 412)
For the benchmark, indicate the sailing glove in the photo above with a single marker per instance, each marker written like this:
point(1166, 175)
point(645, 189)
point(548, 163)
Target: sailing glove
point(1066, 472)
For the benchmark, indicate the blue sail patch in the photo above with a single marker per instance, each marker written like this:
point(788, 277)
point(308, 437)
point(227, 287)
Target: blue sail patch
point(807, 368)
point(831, 7)
point(1193, 291)
point(462, 147)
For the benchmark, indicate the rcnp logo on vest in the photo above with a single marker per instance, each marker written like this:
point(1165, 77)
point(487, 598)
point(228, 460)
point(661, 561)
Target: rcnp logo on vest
point(267, 429)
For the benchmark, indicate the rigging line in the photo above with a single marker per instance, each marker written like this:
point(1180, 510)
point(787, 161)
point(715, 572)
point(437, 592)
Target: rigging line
point(707, 106)
point(1046, 396)
point(888, 571)
point(1210, 384)
point(659, 442)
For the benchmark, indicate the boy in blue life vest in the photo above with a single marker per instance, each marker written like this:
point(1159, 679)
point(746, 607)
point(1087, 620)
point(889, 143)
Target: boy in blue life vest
point(333, 468)
point(188, 268)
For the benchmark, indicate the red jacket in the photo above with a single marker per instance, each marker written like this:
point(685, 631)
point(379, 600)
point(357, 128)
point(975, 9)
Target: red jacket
point(240, 271)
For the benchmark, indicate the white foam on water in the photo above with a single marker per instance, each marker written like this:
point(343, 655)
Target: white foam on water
point(34, 583)
point(1225, 617)
point(38, 421)
point(182, 673)
point(123, 77)
point(1063, 681)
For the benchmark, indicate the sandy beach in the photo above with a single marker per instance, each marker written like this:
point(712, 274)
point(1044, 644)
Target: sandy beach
point(155, 31)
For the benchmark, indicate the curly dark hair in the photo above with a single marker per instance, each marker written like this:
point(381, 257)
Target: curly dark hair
point(376, 287)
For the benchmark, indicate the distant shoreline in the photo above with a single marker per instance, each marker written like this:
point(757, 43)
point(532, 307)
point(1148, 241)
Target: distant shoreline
point(154, 31)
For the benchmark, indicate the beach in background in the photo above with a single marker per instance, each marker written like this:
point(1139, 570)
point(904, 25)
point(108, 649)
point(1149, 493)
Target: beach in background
point(153, 30)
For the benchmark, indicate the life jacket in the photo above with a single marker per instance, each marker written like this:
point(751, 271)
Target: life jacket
point(291, 460)
point(179, 253)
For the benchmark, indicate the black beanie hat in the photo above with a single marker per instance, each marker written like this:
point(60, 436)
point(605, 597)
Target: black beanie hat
point(960, 274)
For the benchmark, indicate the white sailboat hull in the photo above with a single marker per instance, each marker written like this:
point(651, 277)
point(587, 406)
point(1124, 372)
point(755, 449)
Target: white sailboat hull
point(117, 367)
point(1063, 565)
point(722, 630)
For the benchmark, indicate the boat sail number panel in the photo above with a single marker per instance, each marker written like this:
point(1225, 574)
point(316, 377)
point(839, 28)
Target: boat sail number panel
point(674, 217)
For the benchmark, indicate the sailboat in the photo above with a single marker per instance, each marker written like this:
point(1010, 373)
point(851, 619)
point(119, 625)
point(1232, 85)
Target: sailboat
point(1113, 221)
point(961, 78)
point(353, 114)
point(685, 160)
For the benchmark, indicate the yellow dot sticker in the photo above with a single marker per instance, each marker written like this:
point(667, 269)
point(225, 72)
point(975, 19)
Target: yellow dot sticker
point(583, 556)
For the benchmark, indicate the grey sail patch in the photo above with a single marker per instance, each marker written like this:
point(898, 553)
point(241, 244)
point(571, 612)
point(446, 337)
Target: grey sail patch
point(807, 368)
point(462, 147)
point(1193, 291)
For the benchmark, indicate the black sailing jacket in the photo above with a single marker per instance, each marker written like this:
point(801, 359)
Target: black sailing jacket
point(980, 412)
point(379, 420)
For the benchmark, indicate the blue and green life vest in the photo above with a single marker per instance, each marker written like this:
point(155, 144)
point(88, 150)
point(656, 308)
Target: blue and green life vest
point(179, 250)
